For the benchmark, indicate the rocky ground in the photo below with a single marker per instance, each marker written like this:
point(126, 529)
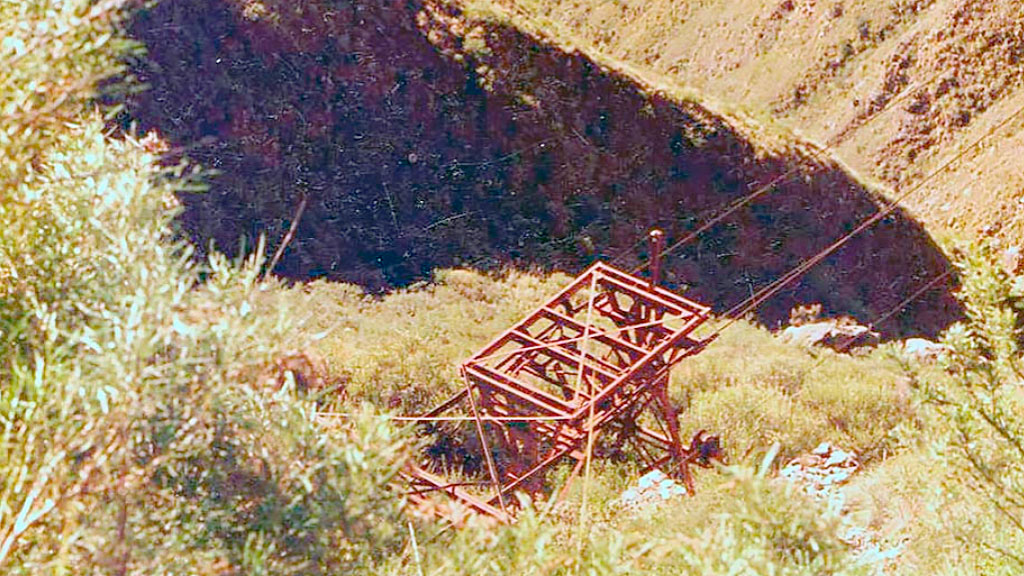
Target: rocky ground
point(823, 474)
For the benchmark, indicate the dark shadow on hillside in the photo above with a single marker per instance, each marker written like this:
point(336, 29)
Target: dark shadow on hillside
point(375, 112)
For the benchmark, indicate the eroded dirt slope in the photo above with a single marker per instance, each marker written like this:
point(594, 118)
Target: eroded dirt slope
point(944, 71)
point(421, 137)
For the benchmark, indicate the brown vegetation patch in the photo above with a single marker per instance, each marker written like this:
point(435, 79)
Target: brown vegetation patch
point(422, 139)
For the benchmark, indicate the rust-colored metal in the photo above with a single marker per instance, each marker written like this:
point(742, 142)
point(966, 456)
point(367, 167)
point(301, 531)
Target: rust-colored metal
point(657, 240)
point(594, 358)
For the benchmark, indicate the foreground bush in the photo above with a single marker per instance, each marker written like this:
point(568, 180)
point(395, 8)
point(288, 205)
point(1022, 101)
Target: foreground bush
point(980, 402)
point(764, 527)
point(140, 431)
point(745, 525)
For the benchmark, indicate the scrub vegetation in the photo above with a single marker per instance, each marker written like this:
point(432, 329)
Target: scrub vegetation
point(153, 418)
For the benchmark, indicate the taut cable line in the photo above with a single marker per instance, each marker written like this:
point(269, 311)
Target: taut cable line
point(735, 205)
point(892, 311)
point(748, 305)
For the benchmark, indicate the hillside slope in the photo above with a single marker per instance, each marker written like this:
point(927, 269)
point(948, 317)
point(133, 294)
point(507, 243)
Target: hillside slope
point(422, 137)
point(943, 71)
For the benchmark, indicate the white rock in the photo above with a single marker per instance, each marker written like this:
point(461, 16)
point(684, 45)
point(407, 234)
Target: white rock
point(840, 458)
point(651, 489)
point(923, 350)
point(840, 334)
point(651, 478)
point(807, 334)
point(823, 449)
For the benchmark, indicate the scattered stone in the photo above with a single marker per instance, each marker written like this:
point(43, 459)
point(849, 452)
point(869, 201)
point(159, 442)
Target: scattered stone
point(838, 334)
point(807, 334)
point(653, 489)
point(822, 474)
point(923, 350)
point(807, 328)
point(991, 229)
point(822, 449)
point(1012, 260)
point(872, 554)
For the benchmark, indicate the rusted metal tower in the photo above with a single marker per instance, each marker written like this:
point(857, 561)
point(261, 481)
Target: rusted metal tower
point(593, 360)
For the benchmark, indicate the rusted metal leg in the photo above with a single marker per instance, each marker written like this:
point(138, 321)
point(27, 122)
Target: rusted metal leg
point(684, 469)
point(568, 481)
point(487, 451)
point(679, 454)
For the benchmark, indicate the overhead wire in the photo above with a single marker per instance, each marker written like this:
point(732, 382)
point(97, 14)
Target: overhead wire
point(748, 305)
point(776, 286)
point(851, 339)
point(590, 416)
point(773, 288)
point(892, 311)
point(731, 207)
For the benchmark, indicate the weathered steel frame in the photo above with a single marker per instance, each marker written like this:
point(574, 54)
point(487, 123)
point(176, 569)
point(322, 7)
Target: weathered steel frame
point(559, 391)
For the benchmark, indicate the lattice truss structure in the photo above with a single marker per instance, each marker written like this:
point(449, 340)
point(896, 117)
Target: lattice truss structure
point(589, 362)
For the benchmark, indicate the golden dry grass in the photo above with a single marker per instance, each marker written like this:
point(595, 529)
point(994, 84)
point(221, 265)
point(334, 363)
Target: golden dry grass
point(821, 69)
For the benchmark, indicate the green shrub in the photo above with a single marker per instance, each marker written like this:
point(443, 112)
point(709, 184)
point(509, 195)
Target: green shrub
point(751, 417)
point(403, 351)
point(863, 403)
point(142, 429)
point(53, 56)
point(532, 546)
point(767, 528)
point(981, 407)
point(755, 390)
point(739, 522)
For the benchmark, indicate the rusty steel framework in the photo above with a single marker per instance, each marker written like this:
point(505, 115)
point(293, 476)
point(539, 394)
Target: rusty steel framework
point(588, 362)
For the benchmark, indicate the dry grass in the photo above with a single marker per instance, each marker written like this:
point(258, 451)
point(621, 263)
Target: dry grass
point(402, 351)
point(819, 69)
point(756, 391)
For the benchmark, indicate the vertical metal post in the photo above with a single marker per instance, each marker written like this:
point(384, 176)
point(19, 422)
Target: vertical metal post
point(487, 449)
point(679, 454)
point(657, 240)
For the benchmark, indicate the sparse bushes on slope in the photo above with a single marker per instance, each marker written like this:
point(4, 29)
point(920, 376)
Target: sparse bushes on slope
point(138, 433)
point(532, 546)
point(761, 527)
point(403, 351)
point(748, 386)
point(743, 525)
point(756, 390)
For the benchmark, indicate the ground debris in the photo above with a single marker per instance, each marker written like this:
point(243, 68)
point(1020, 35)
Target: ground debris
point(808, 328)
point(652, 489)
point(820, 473)
point(923, 350)
point(823, 474)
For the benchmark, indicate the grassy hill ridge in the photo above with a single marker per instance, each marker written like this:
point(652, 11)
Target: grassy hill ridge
point(826, 68)
point(425, 135)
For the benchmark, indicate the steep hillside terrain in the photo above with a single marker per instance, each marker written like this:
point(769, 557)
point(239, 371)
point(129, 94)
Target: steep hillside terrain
point(942, 72)
point(411, 135)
